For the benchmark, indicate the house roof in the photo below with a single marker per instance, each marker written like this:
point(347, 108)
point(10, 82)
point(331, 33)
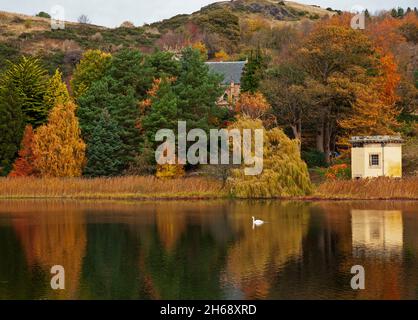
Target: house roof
point(231, 71)
point(375, 139)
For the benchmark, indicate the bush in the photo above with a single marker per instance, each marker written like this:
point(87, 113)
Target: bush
point(339, 172)
point(314, 158)
point(28, 24)
point(43, 14)
point(170, 171)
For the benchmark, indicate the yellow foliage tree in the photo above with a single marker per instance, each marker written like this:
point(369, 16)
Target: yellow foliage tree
point(91, 68)
point(221, 56)
point(57, 146)
point(170, 171)
point(56, 92)
point(202, 49)
point(284, 172)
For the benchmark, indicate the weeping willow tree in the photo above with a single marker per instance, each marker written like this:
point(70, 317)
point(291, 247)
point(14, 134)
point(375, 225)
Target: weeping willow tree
point(284, 173)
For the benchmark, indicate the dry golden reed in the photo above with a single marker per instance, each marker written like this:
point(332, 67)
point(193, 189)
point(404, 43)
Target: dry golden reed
point(134, 187)
point(378, 188)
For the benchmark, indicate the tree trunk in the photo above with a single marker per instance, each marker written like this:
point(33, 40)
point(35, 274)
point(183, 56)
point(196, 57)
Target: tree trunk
point(297, 132)
point(327, 143)
point(320, 137)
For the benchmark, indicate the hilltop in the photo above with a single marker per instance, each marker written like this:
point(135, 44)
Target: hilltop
point(219, 26)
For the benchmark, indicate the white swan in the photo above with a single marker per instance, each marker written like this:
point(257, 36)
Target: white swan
point(257, 222)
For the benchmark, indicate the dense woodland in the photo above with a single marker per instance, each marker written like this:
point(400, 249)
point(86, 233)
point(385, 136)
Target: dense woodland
point(311, 81)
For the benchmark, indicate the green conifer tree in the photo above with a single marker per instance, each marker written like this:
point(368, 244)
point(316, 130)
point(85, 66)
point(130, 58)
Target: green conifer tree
point(28, 80)
point(253, 72)
point(104, 148)
point(197, 91)
point(12, 125)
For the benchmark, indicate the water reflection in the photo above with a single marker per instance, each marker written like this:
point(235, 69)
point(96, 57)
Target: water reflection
point(208, 250)
point(377, 232)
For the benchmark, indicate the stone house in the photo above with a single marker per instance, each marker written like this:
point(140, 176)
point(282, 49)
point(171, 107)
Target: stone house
point(232, 73)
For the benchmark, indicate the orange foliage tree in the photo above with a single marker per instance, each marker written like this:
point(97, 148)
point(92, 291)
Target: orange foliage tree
point(374, 110)
point(58, 148)
point(254, 106)
point(24, 165)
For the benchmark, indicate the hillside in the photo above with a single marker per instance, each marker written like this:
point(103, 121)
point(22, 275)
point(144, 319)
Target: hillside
point(220, 26)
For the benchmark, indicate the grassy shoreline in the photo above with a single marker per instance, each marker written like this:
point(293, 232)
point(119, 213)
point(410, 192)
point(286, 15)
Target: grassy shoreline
point(193, 188)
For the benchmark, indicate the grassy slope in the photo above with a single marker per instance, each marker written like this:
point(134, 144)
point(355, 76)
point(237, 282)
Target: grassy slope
point(32, 35)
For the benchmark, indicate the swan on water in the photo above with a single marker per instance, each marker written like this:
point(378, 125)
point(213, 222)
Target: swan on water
point(257, 222)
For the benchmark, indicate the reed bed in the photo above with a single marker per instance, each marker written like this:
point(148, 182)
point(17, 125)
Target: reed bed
point(110, 188)
point(378, 188)
point(143, 188)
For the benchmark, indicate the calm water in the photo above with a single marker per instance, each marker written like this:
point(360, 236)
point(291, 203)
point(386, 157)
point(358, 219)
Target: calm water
point(208, 250)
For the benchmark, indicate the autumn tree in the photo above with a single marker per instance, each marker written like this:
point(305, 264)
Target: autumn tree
point(202, 49)
point(221, 56)
point(56, 91)
point(253, 106)
point(374, 110)
point(331, 65)
point(90, 68)
point(57, 146)
point(284, 172)
point(24, 164)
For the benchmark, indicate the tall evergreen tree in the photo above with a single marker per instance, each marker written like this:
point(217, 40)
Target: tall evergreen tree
point(104, 148)
point(28, 80)
point(164, 112)
point(12, 125)
point(253, 72)
point(198, 91)
point(130, 71)
point(123, 109)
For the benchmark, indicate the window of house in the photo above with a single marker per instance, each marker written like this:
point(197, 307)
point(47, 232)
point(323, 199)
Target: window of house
point(374, 160)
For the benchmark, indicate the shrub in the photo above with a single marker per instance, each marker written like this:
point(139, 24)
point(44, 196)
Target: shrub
point(339, 172)
point(170, 171)
point(28, 24)
point(43, 14)
point(314, 158)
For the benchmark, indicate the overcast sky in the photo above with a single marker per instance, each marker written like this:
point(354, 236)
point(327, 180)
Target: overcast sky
point(112, 13)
